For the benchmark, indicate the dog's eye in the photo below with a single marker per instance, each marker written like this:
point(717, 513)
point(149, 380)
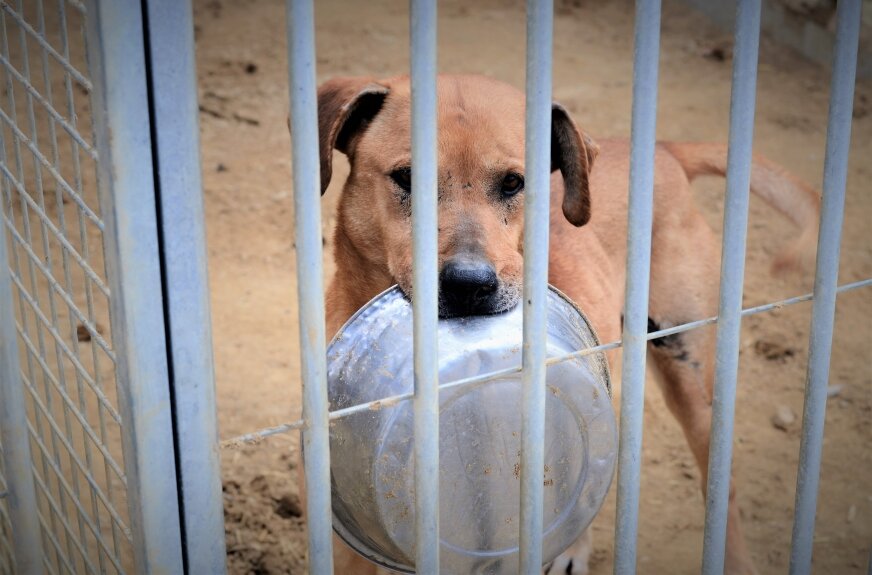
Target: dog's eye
point(403, 178)
point(512, 184)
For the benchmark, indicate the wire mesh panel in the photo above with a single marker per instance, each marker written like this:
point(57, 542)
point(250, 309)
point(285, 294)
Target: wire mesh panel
point(54, 230)
point(6, 560)
point(88, 416)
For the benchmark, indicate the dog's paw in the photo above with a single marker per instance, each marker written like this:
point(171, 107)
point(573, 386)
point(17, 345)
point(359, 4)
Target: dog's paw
point(573, 561)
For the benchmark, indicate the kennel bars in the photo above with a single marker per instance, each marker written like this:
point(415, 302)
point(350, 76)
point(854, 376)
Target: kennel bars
point(71, 507)
point(635, 336)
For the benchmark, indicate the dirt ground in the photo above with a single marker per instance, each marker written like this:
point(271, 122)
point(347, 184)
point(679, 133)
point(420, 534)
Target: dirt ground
point(243, 94)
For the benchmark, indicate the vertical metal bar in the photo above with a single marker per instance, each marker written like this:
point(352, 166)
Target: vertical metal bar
point(21, 492)
point(310, 282)
point(116, 54)
point(540, 22)
point(742, 107)
point(826, 278)
point(170, 30)
point(425, 173)
point(639, 217)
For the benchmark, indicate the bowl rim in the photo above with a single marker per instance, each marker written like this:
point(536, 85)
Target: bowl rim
point(395, 287)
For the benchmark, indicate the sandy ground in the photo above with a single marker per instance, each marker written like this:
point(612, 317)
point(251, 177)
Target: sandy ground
point(243, 95)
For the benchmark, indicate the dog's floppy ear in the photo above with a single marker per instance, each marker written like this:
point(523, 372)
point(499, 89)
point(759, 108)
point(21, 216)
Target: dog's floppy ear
point(572, 152)
point(345, 107)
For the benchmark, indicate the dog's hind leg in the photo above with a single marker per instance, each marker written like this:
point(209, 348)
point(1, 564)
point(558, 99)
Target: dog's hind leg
point(573, 561)
point(684, 272)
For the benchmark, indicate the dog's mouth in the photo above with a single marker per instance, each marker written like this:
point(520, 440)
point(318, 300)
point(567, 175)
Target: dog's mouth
point(451, 305)
point(502, 300)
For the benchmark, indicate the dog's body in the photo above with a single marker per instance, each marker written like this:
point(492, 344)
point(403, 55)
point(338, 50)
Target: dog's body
point(481, 160)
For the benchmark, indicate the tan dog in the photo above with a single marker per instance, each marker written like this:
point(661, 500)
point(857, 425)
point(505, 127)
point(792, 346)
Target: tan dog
point(481, 186)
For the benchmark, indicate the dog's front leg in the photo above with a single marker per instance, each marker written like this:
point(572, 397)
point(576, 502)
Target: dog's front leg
point(573, 561)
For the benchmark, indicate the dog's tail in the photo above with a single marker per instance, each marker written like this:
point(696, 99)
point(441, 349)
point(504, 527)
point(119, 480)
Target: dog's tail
point(779, 188)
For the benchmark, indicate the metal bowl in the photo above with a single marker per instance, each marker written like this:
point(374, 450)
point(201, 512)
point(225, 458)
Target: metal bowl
point(372, 454)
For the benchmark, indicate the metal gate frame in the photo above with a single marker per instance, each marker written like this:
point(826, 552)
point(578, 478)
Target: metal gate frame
point(150, 193)
point(141, 57)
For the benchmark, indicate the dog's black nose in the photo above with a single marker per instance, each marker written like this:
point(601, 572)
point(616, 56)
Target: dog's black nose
point(466, 287)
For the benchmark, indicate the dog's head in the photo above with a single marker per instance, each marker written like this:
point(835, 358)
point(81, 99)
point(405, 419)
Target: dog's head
point(480, 182)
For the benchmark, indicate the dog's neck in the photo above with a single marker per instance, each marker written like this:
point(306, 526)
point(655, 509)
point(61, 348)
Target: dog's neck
point(356, 281)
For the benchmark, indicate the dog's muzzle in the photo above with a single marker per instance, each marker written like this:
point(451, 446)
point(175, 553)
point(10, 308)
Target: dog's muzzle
point(468, 286)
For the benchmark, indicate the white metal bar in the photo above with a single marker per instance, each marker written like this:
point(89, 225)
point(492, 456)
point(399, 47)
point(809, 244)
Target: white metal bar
point(826, 280)
point(640, 213)
point(310, 282)
point(537, 193)
point(170, 29)
point(116, 55)
point(425, 286)
point(744, 90)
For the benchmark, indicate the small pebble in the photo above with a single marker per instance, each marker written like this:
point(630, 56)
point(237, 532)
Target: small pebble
point(783, 417)
point(834, 390)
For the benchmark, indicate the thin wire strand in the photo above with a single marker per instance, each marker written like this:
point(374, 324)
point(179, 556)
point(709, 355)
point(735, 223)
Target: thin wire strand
point(60, 179)
point(79, 77)
point(257, 436)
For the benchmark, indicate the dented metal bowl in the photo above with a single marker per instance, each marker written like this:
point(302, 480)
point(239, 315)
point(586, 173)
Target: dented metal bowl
point(372, 452)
